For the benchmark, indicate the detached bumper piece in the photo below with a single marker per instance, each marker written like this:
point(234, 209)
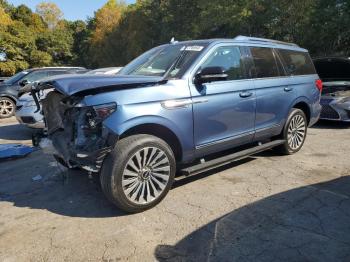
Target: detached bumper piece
point(90, 160)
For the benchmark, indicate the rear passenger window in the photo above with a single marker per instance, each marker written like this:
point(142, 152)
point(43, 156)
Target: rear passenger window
point(265, 63)
point(297, 63)
point(228, 57)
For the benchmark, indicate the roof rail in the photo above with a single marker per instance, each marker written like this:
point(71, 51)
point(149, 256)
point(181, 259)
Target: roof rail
point(257, 39)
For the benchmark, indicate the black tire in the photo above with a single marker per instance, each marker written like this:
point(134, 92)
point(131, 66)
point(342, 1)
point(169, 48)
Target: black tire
point(7, 107)
point(289, 148)
point(117, 165)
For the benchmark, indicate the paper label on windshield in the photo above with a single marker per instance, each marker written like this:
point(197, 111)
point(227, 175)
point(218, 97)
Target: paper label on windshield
point(196, 48)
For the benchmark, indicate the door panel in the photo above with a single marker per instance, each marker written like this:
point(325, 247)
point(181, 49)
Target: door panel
point(273, 102)
point(224, 111)
point(274, 95)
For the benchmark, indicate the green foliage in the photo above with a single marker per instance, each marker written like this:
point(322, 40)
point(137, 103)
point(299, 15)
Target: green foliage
point(118, 33)
point(28, 41)
point(322, 26)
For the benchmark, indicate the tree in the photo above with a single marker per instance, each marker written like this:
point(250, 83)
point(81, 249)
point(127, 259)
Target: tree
point(5, 19)
point(106, 19)
point(50, 13)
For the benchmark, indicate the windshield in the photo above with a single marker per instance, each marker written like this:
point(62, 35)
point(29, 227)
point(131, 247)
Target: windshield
point(16, 78)
point(167, 60)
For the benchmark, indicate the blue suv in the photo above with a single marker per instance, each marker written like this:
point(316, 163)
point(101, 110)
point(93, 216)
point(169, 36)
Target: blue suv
point(181, 107)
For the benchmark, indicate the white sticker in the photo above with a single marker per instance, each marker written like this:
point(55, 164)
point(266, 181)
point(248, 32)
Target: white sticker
point(196, 48)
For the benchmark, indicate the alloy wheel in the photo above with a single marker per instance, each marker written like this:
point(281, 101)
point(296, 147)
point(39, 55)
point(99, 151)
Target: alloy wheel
point(6, 107)
point(296, 132)
point(146, 175)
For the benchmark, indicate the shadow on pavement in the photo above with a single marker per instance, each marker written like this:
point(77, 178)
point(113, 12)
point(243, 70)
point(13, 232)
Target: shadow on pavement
point(16, 132)
point(67, 193)
point(70, 193)
point(310, 223)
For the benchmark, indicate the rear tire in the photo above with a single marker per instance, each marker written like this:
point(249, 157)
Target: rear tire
point(294, 132)
point(138, 173)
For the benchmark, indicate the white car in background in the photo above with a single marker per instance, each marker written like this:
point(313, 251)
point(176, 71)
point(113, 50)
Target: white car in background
point(27, 112)
point(105, 71)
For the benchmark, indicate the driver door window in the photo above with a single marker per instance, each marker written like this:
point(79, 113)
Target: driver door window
point(229, 58)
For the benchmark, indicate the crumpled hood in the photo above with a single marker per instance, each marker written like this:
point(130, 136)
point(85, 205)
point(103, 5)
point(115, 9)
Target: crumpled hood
point(86, 84)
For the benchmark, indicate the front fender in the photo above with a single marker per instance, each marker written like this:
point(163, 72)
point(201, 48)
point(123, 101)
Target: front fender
point(177, 121)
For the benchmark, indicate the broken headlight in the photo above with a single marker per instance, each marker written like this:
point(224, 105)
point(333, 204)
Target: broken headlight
point(89, 131)
point(99, 113)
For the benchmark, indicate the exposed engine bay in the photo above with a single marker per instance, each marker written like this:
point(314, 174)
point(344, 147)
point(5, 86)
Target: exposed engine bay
point(76, 132)
point(336, 89)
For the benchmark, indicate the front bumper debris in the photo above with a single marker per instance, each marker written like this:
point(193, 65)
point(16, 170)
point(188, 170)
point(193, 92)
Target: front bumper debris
point(75, 135)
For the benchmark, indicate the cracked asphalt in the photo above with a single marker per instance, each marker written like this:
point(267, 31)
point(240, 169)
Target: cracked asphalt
point(264, 208)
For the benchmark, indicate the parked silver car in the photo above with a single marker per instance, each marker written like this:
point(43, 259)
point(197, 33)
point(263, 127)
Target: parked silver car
point(26, 109)
point(27, 112)
point(335, 100)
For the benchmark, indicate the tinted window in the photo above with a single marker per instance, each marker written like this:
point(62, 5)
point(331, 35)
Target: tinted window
point(16, 78)
point(265, 62)
point(35, 76)
point(297, 63)
point(228, 57)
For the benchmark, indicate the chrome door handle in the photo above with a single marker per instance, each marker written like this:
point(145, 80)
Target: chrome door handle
point(288, 89)
point(245, 94)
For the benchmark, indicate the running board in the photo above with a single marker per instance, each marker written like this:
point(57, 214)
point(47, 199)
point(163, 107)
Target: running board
point(211, 164)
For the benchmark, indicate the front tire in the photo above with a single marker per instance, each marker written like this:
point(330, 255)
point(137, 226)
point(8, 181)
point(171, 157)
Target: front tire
point(138, 173)
point(7, 107)
point(294, 132)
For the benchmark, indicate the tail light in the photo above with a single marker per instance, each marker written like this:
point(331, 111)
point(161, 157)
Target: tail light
point(319, 85)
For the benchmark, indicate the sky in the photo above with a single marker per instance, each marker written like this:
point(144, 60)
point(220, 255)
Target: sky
point(72, 9)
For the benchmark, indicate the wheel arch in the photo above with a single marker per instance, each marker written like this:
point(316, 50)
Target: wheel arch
point(304, 106)
point(14, 99)
point(159, 131)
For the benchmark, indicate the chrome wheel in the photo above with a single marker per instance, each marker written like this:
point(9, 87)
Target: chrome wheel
point(146, 175)
point(296, 132)
point(7, 107)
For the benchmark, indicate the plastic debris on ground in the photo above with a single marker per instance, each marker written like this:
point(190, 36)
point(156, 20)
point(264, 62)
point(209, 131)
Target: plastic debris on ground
point(37, 178)
point(10, 151)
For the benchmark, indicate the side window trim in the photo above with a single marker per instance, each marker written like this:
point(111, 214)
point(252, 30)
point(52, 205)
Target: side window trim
point(248, 62)
point(211, 51)
point(279, 59)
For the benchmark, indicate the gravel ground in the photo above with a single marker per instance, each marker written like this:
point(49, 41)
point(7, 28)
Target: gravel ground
point(265, 208)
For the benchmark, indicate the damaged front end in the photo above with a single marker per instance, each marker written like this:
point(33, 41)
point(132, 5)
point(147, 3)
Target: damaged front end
point(75, 133)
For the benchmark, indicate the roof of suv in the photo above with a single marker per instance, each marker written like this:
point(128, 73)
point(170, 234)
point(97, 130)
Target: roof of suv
point(249, 40)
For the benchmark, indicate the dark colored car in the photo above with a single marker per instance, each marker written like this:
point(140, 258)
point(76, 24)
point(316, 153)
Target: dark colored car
point(178, 106)
point(335, 100)
point(10, 87)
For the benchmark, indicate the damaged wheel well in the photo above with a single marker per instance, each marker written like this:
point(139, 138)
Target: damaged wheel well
point(159, 131)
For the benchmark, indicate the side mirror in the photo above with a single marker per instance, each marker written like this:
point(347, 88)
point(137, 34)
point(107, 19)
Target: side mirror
point(24, 82)
point(211, 74)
